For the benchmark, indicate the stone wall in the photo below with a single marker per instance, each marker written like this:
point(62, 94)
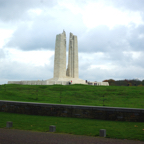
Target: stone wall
point(77, 111)
point(54, 82)
point(98, 83)
point(38, 82)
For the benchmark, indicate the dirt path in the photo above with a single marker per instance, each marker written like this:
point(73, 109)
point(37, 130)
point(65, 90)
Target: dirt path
point(14, 136)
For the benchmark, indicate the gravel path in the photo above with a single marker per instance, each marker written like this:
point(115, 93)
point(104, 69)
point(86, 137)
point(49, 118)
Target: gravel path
point(14, 136)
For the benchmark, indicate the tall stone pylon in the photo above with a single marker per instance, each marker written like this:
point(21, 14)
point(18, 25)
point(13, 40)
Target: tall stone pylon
point(72, 70)
point(60, 56)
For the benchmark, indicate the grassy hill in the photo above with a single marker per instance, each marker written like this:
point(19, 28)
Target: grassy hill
point(111, 96)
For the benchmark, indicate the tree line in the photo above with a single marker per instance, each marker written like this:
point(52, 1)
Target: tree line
point(125, 82)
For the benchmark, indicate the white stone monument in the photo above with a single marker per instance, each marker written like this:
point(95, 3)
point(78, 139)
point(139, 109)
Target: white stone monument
point(61, 74)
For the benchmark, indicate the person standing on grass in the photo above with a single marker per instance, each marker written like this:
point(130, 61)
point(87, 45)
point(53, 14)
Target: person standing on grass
point(71, 81)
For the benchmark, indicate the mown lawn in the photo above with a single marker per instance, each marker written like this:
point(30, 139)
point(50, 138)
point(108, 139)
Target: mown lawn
point(111, 96)
point(77, 126)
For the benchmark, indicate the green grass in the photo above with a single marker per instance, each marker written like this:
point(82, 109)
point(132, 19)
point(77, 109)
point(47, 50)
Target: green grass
point(113, 96)
point(77, 126)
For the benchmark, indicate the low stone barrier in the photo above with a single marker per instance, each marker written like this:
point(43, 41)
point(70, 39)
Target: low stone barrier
point(9, 124)
point(52, 128)
point(77, 111)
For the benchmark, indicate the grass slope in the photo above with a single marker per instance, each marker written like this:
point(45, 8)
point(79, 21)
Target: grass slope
point(111, 96)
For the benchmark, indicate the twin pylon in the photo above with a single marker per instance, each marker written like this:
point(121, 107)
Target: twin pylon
point(60, 70)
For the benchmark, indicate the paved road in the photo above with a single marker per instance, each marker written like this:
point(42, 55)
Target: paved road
point(14, 136)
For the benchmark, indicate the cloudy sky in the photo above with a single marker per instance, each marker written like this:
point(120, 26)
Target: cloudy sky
point(110, 38)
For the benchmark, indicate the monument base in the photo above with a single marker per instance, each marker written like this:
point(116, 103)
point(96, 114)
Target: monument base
point(65, 81)
point(62, 81)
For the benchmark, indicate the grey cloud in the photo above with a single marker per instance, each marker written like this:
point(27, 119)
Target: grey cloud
point(113, 43)
point(119, 72)
point(134, 5)
point(136, 42)
point(97, 74)
point(103, 39)
point(43, 32)
point(124, 5)
point(32, 39)
point(2, 54)
point(120, 59)
point(139, 61)
point(120, 38)
point(15, 71)
point(11, 10)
